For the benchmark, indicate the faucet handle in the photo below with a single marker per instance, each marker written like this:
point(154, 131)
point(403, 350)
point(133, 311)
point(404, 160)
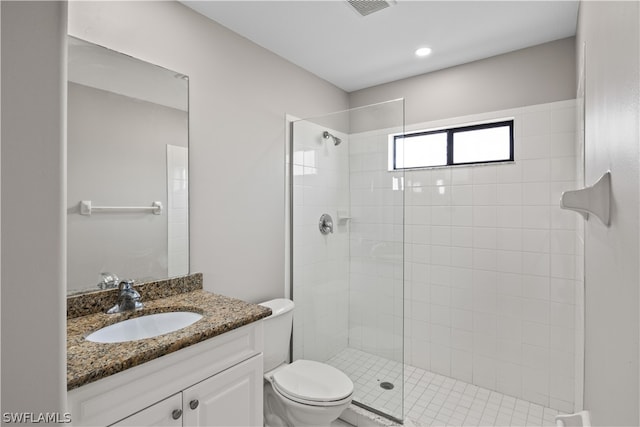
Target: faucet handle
point(127, 291)
point(109, 280)
point(129, 298)
point(126, 285)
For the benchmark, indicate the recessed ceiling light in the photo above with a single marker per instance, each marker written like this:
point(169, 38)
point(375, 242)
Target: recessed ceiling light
point(423, 51)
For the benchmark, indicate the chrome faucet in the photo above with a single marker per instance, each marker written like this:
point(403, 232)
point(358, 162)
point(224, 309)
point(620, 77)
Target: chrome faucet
point(109, 281)
point(129, 298)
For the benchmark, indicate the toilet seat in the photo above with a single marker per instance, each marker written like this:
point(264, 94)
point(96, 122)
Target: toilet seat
point(313, 383)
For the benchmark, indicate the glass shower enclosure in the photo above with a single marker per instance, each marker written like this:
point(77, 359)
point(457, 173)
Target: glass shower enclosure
point(347, 243)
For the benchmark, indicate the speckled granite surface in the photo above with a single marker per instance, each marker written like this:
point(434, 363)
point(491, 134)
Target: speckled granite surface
point(100, 301)
point(89, 361)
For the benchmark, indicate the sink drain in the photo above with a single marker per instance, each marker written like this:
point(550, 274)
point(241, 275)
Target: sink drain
point(386, 385)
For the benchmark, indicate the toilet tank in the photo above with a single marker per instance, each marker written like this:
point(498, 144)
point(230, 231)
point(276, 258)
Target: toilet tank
point(277, 332)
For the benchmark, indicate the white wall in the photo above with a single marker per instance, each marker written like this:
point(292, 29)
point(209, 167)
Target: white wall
point(238, 96)
point(610, 31)
point(33, 212)
point(535, 75)
point(117, 156)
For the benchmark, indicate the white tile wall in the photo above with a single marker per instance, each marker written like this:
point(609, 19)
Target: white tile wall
point(490, 261)
point(376, 248)
point(320, 180)
point(177, 210)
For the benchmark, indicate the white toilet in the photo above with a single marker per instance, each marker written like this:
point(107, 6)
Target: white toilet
point(303, 393)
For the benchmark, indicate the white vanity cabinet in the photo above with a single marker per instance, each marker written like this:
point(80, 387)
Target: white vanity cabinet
point(217, 382)
point(226, 399)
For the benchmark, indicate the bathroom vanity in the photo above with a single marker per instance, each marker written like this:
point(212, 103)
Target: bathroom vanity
point(208, 373)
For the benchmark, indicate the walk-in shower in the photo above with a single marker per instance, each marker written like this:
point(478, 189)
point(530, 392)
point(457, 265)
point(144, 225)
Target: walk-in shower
point(449, 295)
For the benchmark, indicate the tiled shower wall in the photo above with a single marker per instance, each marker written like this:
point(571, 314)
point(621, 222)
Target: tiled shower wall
point(376, 248)
point(177, 210)
point(490, 260)
point(320, 176)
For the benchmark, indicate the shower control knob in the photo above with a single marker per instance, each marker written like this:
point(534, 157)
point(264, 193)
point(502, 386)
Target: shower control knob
point(194, 404)
point(177, 413)
point(325, 224)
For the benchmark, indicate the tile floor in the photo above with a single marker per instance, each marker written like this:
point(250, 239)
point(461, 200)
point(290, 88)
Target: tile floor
point(433, 399)
point(367, 373)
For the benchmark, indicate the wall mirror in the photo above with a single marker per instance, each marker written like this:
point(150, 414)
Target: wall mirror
point(127, 169)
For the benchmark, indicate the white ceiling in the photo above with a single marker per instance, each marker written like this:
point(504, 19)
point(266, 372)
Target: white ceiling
point(331, 40)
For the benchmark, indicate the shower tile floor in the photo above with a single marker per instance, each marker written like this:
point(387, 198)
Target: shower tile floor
point(433, 399)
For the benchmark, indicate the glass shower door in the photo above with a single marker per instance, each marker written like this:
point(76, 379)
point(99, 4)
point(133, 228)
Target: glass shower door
point(347, 250)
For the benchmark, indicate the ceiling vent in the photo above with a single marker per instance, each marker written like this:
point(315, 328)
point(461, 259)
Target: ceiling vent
point(367, 7)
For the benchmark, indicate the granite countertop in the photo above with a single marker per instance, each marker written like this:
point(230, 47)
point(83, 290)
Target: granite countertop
point(89, 361)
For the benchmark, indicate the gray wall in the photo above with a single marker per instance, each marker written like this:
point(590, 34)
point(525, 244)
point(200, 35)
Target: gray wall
point(33, 214)
point(610, 31)
point(535, 75)
point(238, 95)
point(117, 156)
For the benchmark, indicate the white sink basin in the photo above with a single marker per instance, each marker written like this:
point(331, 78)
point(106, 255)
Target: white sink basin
point(151, 325)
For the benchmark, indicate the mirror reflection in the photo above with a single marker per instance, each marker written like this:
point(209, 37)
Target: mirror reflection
point(127, 169)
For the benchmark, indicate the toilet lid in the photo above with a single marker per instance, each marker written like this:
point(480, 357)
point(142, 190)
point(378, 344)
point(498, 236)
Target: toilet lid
point(313, 381)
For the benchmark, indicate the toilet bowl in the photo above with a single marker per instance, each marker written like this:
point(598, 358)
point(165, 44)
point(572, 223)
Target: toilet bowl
point(304, 392)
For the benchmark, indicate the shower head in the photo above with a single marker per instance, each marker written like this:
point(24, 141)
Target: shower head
point(327, 135)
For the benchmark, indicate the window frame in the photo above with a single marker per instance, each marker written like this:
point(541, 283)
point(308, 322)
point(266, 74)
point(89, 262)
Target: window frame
point(450, 132)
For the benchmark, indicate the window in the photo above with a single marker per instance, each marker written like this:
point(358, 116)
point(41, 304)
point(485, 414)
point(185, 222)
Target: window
point(482, 143)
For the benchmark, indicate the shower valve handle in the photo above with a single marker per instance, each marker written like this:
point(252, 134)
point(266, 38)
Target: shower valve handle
point(325, 224)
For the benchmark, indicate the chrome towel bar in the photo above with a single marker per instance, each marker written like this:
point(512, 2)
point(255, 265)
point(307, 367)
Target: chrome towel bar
point(86, 208)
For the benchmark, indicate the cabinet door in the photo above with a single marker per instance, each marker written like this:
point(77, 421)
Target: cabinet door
point(167, 412)
point(230, 398)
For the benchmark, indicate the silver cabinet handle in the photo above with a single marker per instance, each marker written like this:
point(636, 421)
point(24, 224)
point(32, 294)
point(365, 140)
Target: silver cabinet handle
point(177, 413)
point(194, 404)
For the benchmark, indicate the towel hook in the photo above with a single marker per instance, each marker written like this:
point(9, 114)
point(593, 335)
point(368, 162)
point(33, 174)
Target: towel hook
point(594, 200)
